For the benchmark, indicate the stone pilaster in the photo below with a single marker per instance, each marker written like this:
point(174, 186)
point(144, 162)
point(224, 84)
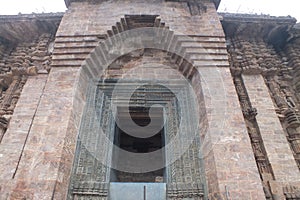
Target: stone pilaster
point(230, 164)
point(275, 142)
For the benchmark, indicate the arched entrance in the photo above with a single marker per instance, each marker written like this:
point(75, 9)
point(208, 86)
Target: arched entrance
point(144, 71)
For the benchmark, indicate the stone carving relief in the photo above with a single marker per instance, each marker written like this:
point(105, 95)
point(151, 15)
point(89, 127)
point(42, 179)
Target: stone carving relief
point(287, 107)
point(252, 57)
point(291, 192)
point(184, 177)
point(27, 59)
point(257, 57)
point(289, 83)
point(181, 191)
point(292, 52)
point(263, 164)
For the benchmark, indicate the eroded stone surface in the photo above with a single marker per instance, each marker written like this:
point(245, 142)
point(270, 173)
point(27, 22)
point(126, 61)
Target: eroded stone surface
point(41, 107)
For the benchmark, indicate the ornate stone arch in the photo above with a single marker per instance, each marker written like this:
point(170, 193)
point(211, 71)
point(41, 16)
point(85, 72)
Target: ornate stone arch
point(127, 39)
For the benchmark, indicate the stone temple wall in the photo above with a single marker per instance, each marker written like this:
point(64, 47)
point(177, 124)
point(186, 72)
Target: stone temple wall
point(263, 70)
point(57, 99)
point(226, 138)
point(243, 70)
point(25, 59)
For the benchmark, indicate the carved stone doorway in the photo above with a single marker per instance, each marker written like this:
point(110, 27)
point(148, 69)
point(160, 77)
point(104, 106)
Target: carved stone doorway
point(173, 114)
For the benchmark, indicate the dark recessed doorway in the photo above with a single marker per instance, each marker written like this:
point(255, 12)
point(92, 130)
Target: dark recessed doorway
point(126, 140)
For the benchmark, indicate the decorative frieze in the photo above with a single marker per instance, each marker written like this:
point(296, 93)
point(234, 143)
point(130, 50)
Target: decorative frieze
point(90, 188)
point(181, 191)
point(252, 57)
point(291, 192)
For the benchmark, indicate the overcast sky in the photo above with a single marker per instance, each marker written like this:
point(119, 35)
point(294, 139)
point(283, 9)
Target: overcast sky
point(272, 7)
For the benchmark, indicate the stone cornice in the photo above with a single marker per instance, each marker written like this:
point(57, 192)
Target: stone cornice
point(274, 30)
point(216, 2)
point(22, 17)
point(256, 18)
point(27, 27)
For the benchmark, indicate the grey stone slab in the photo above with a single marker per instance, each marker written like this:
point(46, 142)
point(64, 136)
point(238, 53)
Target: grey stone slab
point(137, 191)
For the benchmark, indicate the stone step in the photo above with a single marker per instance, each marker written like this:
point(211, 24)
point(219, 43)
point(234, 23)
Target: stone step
point(75, 44)
point(201, 39)
point(206, 50)
point(65, 63)
point(203, 44)
point(69, 56)
point(195, 56)
point(207, 63)
point(80, 38)
point(81, 50)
